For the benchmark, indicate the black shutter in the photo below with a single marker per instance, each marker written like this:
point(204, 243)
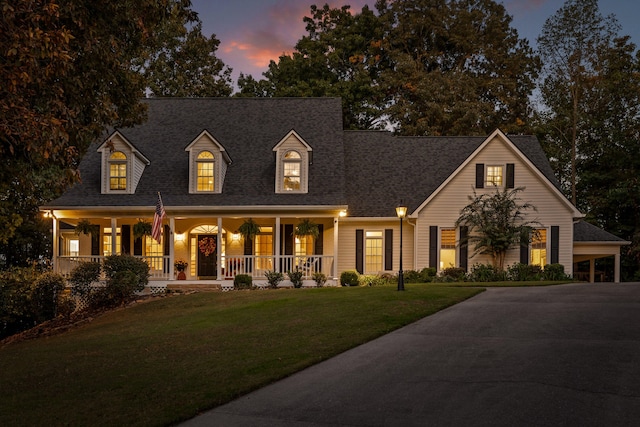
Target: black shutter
point(318, 245)
point(248, 246)
point(137, 246)
point(288, 239)
point(524, 250)
point(479, 175)
point(95, 240)
point(433, 246)
point(125, 239)
point(555, 244)
point(388, 249)
point(166, 239)
point(511, 181)
point(360, 251)
point(464, 248)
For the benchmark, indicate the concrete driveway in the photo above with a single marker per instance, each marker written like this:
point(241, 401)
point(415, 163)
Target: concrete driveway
point(563, 356)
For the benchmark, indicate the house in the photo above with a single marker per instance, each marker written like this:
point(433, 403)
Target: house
point(218, 162)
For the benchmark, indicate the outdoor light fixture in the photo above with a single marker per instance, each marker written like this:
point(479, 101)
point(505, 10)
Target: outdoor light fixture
point(401, 211)
point(235, 237)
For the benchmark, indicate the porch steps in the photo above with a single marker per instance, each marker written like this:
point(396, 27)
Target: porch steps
point(196, 287)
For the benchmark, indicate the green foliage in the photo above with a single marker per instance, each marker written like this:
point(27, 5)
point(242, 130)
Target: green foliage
point(320, 278)
point(68, 73)
point(451, 274)
point(249, 229)
point(242, 281)
point(485, 273)
point(296, 277)
point(142, 228)
point(274, 278)
point(44, 296)
point(425, 275)
point(82, 276)
point(554, 272)
point(27, 297)
point(306, 227)
point(125, 275)
point(497, 222)
point(349, 278)
point(524, 272)
point(375, 279)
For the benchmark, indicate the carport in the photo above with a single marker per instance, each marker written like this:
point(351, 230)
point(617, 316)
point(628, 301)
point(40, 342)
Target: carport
point(591, 243)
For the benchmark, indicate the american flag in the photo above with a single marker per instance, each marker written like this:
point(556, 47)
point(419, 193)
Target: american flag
point(156, 231)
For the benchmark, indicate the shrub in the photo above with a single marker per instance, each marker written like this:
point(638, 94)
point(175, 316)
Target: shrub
point(482, 273)
point(427, 274)
point(82, 276)
point(274, 278)
point(453, 274)
point(554, 272)
point(523, 272)
point(44, 296)
point(125, 275)
point(295, 277)
point(320, 278)
point(375, 279)
point(349, 278)
point(15, 308)
point(242, 281)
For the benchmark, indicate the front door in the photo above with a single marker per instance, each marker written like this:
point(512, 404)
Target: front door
point(207, 256)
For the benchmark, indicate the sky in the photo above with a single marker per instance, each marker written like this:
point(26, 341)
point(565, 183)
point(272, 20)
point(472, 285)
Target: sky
point(253, 32)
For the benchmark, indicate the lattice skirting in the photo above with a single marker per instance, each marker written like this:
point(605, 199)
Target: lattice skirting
point(82, 302)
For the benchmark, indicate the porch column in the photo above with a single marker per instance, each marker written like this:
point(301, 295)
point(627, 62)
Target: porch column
point(114, 234)
point(56, 245)
point(276, 248)
point(616, 268)
point(172, 238)
point(219, 251)
point(334, 267)
point(592, 270)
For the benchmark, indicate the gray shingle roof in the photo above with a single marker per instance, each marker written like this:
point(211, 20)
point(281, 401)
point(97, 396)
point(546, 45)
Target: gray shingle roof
point(585, 232)
point(370, 171)
point(248, 128)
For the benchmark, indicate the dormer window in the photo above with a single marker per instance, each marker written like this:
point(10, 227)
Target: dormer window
point(118, 171)
point(292, 163)
point(205, 167)
point(208, 164)
point(293, 159)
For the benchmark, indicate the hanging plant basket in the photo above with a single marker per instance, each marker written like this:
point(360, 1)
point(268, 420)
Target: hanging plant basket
point(84, 227)
point(142, 228)
point(306, 227)
point(249, 229)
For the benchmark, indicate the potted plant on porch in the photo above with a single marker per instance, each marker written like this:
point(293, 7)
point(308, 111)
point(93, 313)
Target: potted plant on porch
point(180, 265)
point(142, 228)
point(306, 227)
point(249, 229)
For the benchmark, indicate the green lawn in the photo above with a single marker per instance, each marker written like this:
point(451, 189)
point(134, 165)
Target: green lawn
point(164, 361)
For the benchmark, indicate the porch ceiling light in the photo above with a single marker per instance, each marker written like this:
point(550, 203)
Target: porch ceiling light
point(342, 214)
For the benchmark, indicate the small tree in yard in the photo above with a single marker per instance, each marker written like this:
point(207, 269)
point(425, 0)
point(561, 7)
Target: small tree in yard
point(497, 222)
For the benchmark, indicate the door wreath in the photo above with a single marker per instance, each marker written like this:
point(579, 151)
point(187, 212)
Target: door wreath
point(207, 245)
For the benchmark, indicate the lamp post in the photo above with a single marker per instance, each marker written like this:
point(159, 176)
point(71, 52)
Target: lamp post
point(401, 211)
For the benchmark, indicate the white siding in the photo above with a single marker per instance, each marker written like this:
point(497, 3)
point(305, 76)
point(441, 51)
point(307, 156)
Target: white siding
point(291, 142)
point(444, 209)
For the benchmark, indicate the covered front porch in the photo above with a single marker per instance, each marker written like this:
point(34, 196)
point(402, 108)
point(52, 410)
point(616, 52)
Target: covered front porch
point(202, 248)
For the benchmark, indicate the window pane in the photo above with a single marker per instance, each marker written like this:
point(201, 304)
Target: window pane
point(153, 252)
point(117, 176)
point(539, 248)
point(447, 248)
point(494, 176)
point(205, 176)
point(373, 254)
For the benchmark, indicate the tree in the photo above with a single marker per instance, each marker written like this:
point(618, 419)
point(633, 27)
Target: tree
point(571, 42)
point(186, 65)
point(67, 73)
point(496, 223)
point(454, 67)
point(334, 59)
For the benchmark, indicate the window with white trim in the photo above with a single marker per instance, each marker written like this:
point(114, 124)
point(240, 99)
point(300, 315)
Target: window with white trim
point(494, 176)
point(291, 167)
point(205, 181)
point(539, 248)
point(373, 252)
point(118, 171)
point(447, 248)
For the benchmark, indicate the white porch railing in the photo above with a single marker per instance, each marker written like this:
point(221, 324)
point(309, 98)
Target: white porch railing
point(255, 266)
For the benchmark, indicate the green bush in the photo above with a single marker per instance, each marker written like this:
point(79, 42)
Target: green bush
point(242, 281)
point(554, 272)
point(320, 278)
point(349, 278)
point(82, 276)
point(274, 278)
point(125, 275)
point(523, 272)
point(295, 277)
point(451, 274)
point(482, 273)
point(15, 307)
point(375, 279)
point(44, 296)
